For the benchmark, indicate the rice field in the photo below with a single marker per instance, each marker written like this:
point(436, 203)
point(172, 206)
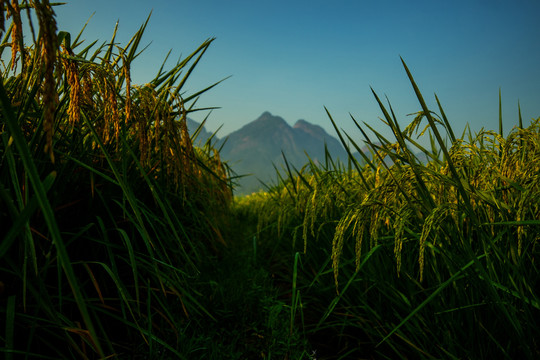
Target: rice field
point(120, 239)
point(396, 257)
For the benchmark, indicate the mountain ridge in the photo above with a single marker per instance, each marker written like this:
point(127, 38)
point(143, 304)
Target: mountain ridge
point(254, 147)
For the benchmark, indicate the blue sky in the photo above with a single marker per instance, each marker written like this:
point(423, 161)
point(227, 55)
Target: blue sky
point(292, 58)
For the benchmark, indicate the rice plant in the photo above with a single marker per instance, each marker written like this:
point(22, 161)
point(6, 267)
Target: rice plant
point(106, 208)
point(408, 258)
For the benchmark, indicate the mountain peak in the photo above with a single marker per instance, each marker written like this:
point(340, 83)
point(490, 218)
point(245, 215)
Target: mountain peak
point(312, 129)
point(268, 117)
point(260, 144)
point(301, 123)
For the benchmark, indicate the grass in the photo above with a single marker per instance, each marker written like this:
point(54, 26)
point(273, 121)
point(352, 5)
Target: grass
point(120, 239)
point(403, 258)
point(109, 208)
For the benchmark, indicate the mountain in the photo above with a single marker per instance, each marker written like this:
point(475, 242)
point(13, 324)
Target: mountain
point(253, 149)
point(256, 146)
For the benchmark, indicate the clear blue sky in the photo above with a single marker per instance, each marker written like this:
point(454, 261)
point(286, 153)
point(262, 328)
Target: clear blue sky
point(294, 57)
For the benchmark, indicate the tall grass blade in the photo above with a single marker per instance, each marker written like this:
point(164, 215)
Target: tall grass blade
point(430, 298)
point(459, 182)
point(501, 133)
point(10, 325)
point(48, 214)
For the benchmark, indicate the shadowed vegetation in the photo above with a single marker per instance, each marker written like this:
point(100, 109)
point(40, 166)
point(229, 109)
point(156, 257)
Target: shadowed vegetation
point(107, 209)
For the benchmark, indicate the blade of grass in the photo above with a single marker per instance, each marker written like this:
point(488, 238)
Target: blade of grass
point(338, 297)
point(351, 157)
point(10, 326)
point(440, 288)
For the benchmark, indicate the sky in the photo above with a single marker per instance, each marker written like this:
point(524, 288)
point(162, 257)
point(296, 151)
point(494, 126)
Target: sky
point(293, 58)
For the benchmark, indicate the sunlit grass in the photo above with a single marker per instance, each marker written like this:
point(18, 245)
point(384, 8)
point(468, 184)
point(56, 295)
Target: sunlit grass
point(404, 258)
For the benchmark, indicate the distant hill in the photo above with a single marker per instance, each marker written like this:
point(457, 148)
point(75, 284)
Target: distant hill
point(253, 149)
point(256, 146)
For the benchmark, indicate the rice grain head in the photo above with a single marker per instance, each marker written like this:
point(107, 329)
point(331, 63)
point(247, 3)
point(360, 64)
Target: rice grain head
point(48, 44)
point(112, 118)
point(339, 238)
point(404, 214)
point(433, 221)
point(16, 33)
point(72, 76)
point(359, 229)
point(127, 75)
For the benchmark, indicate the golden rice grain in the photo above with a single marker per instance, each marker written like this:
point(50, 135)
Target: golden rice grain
point(127, 75)
point(16, 33)
point(48, 44)
point(72, 77)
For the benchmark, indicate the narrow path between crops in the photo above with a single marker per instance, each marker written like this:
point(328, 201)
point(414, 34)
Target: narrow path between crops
point(251, 308)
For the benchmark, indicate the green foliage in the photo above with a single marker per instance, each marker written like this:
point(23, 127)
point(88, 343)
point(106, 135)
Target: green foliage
point(107, 210)
point(406, 258)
